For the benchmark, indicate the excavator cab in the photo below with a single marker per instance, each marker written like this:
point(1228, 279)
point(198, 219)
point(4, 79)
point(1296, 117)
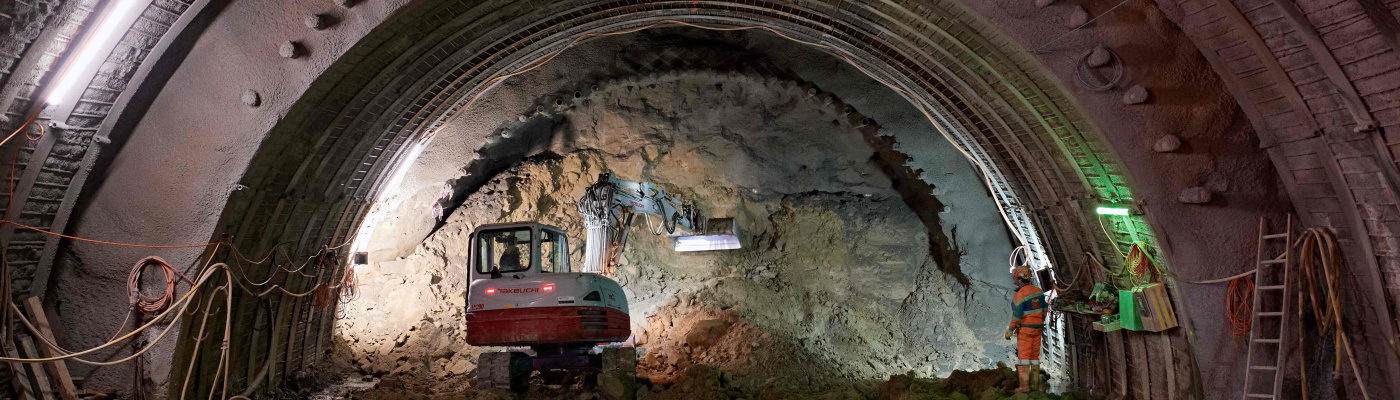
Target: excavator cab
point(523, 291)
point(512, 249)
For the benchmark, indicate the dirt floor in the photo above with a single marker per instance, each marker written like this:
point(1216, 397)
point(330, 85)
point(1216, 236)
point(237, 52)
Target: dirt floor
point(706, 353)
point(704, 382)
point(725, 358)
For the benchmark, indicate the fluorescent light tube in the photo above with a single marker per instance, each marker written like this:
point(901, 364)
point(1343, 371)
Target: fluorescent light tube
point(114, 22)
point(707, 243)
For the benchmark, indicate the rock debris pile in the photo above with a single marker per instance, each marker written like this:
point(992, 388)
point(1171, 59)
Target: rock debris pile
point(834, 291)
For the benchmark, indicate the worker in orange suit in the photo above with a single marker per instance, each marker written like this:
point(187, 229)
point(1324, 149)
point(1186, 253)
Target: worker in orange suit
point(1027, 324)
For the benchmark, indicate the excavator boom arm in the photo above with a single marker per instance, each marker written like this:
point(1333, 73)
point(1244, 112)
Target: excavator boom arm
point(609, 205)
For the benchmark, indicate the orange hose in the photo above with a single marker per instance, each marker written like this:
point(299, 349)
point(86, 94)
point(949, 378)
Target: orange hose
point(1239, 306)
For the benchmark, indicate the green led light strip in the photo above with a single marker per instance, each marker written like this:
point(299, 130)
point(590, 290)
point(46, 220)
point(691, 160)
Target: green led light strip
point(1108, 210)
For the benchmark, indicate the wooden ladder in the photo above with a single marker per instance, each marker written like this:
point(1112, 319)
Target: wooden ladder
point(1271, 303)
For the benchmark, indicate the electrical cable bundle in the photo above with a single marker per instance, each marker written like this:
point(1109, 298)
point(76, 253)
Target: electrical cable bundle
point(151, 305)
point(7, 316)
point(161, 307)
point(1319, 290)
point(1142, 267)
point(1019, 251)
point(1239, 303)
point(147, 306)
point(1319, 252)
point(597, 199)
point(1086, 79)
point(322, 297)
point(348, 290)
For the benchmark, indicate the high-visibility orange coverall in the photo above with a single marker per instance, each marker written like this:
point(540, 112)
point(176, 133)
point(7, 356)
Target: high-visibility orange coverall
point(1028, 320)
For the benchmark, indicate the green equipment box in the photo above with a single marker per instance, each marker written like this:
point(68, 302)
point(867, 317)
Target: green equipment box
point(1146, 308)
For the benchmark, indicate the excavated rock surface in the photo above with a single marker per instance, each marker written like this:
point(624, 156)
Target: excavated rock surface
point(835, 284)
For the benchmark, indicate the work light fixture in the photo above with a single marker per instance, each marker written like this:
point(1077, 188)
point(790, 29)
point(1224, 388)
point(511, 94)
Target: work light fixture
point(1113, 210)
point(114, 21)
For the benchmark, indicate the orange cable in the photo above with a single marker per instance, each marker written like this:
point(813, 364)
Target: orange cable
point(1239, 307)
point(147, 304)
point(9, 200)
point(35, 138)
point(106, 242)
point(21, 129)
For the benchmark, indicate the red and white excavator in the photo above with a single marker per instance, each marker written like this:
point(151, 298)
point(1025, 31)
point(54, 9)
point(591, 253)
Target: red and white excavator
point(525, 294)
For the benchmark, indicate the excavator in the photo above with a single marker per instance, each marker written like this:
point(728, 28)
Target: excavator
point(524, 294)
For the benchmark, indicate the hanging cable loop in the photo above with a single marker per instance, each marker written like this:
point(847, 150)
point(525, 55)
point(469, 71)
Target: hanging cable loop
point(143, 303)
point(1025, 254)
point(1082, 72)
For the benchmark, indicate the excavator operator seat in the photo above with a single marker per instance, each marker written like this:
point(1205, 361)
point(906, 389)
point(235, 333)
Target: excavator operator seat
point(505, 250)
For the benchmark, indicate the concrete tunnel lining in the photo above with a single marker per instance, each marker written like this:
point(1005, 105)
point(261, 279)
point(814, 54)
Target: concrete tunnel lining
point(417, 115)
point(311, 237)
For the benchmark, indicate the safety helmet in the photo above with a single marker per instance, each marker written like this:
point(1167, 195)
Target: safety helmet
point(1022, 272)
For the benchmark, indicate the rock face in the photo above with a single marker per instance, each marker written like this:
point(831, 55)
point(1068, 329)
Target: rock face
point(1166, 144)
point(707, 333)
point(834, 282)
point(1099, 56)
point(1194, 195)
point(1078, 16)
point(1135, 95)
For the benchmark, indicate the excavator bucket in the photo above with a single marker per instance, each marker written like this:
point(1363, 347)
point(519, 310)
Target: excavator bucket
point(720, 234)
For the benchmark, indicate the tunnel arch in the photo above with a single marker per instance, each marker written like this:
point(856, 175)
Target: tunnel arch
point(318, 173)
point(363, 139)
point(1324, 67)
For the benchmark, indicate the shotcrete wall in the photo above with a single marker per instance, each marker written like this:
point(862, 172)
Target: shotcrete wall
point(168, 183)
point(170, 180)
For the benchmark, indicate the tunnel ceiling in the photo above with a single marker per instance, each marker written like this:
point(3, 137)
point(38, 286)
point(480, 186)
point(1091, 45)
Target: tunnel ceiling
point(332, 160)
point(1317, 81)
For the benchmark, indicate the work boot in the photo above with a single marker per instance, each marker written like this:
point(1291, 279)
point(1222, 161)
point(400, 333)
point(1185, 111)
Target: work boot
point(1024, 372)
point(1035, 377)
